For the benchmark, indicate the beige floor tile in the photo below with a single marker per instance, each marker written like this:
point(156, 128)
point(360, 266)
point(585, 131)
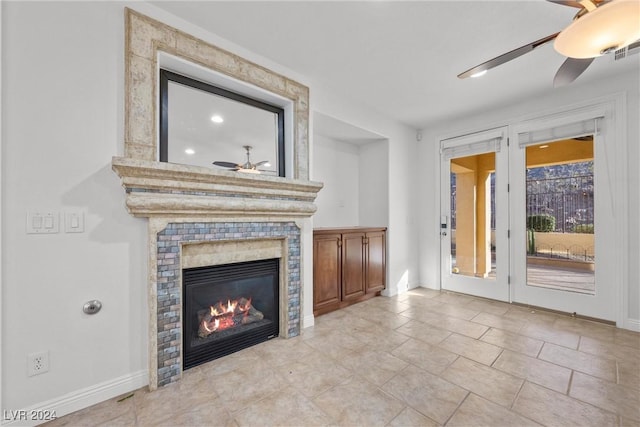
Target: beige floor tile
point(476, 411)
point(549, 334)
point(242, 361)
point(122, 421)
point(335, 344)
point(314, 374)
point(411, 418)
point(238, 389)
point(550, 408)
point(490, 383)
point(454, 298)
point(579, 361)
point(288, 408)
point(514, 342)
point(109, 411)
point(585, 327)
point(377, 367)
point(603, 394)
point(361, 363)
point(451, 324)
point(389, 304)
point(534, 370)
point(499, 322)
point(453, 310)
point(426, 393)
point(608, 350)
point(491, 307)
point(390, 321)
point(423, 332)
point(472, 349)
point(200, 415)
point(629, 374)
point(596, 330)
point(382, 339)
point(281, 351)
point(416, 295)
point(153, 407)
point(357, 403)
point(531, 315)
point(626, 422)
point(425, 356)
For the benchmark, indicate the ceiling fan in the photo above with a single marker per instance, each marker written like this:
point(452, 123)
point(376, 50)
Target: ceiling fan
point(246, 167)
point(599, 27)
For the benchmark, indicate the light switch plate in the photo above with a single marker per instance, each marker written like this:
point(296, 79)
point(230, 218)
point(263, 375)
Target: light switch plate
point(43, 222)
point(74, 222)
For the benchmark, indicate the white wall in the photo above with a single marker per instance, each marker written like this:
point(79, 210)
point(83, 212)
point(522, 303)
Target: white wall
point(356, 178)
point(374, 183)
point(62, 104)
point(399, 149)
point(337, 165)
point(560, 98)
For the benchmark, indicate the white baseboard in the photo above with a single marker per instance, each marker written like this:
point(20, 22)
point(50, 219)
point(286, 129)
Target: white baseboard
point(308, 321)
point(77, 400)
point(632, 324)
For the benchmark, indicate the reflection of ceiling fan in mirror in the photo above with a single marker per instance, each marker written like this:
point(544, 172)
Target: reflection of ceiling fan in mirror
point(246, 167)
point(599, 27)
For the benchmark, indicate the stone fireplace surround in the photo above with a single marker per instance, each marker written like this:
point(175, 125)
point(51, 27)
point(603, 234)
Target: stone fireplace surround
point(200, 216)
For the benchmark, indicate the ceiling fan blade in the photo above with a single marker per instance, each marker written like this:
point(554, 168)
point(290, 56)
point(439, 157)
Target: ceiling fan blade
point(567, 3)
point(226, 164)
point(570, 69)
point(506, 57)
point(264, 162)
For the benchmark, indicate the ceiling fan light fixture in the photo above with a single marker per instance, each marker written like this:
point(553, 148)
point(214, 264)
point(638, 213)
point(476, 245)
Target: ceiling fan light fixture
point(611, 26)
point(254, 171)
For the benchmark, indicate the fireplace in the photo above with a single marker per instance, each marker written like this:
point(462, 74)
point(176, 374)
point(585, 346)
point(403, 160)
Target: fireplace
point(199, 216)
point(228, 308)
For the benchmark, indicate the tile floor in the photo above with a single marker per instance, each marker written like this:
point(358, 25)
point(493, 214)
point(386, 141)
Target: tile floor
point(424, 358)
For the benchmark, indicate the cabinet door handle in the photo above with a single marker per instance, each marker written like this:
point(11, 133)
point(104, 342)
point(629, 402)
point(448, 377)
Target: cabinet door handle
point(339, 242)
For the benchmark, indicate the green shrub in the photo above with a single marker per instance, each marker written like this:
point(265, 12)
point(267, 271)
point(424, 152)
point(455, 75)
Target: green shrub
point(541, 223)
point(583, 228)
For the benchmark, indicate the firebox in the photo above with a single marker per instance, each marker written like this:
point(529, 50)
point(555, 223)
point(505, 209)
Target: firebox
point(227, 308)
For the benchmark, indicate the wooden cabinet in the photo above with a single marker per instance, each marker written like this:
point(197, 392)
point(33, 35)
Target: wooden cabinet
point(348, 266)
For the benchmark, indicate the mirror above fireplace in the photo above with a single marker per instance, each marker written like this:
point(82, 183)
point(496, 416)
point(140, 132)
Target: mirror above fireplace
point(202, 124)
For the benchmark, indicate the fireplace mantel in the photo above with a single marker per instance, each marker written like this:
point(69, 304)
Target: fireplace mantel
point(168, 190)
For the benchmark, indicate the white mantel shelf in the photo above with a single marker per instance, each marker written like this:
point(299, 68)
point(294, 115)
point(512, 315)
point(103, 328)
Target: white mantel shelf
point(167, 189)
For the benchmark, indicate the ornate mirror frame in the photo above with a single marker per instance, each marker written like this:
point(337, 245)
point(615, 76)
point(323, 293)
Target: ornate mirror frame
point(145, 38)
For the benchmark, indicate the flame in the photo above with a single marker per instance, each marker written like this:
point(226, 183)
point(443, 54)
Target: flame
point(231, 306)
point(224, 316)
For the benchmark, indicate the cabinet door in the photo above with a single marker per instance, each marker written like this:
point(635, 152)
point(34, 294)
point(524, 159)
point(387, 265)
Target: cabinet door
point(326, 273)
point(353, 259)
point(375, 270)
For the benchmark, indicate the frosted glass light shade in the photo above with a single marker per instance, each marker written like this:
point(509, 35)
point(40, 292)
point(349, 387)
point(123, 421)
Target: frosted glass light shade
point(613, 26)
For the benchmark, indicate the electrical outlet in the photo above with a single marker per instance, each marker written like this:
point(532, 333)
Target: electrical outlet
point(37, 363)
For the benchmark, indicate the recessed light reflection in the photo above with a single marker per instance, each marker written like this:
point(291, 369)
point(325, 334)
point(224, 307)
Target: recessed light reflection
point(544, 146)
point(190, 151)
point(217, 119)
